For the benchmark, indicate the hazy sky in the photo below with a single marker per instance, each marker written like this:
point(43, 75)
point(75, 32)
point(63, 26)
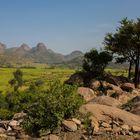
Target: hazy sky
point(63, 25)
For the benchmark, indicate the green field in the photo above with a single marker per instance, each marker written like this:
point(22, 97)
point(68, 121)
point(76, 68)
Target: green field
point(45, 74)
point(30, 75)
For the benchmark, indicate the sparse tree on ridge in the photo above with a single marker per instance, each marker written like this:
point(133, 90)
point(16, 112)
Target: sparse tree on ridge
point(125, 42)
point(95, 62)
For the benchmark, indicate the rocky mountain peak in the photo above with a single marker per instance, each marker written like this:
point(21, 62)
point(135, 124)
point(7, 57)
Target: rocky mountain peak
point(2, 48)
point(25, 47)
point(41, 47)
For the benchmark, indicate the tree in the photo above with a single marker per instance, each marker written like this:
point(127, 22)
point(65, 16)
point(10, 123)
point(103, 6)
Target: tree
point(17, 81)
point(124, 43)
point(95, 62)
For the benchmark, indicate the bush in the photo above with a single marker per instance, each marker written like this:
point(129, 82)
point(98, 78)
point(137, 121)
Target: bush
point(57, 103)
point(5, 114)
point(95, 62)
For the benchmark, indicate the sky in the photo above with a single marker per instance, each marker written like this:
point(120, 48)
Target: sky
point(63, 25)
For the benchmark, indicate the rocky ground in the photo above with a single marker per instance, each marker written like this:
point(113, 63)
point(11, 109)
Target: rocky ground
point(111, 112)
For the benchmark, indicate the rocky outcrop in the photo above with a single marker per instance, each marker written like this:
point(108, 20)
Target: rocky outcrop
point(106, 113)
point(106, 100)
point(128, 87)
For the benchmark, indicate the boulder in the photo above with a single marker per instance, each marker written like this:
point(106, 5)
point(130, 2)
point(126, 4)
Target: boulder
point(125, 127)
point(136, 99)
point(69, 125)
point(87, 93)
point(53, 137)
point(95, 84)
point(136, 108)
point(13, 123)
point(105, 100)
point(124, 98)
point(107, 113)
point(19, 116)
point(78, 122)
point(136, 128)
point(2, 130)
point(116, 80)
point(94, 123)
point(127, 87)
point(105, 125)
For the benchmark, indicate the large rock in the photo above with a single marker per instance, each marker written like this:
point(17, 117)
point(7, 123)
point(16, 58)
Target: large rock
point(107, 113)
point(69, 125)
point(87, 93)
point(116, 80)
point(127, 87)
point(105, 100)
point(135, 128)
point(136, 108)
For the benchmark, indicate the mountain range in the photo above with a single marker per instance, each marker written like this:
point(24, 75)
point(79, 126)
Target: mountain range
point(38, 54)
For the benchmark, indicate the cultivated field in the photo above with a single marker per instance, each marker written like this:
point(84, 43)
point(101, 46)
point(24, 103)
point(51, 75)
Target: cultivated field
point(30, 75)
point(44, 74)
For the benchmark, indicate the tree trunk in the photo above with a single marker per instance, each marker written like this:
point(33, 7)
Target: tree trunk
point(136, 79)
point(129, 72)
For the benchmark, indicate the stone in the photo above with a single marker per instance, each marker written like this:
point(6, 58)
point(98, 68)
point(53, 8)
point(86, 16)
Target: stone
point(87, 93)
point(2, 130)
point(4, 124)
point(108, 129)
point(53, 137)
point(19, 116)
point(24, 137)
point(3, 137)
point(117, 130)
point(13, 123)
point(57, 130)
point(9, 128)
point(127, 87)
point(69, 125)
point(135, 109)
point(83, 137)
point(78, 122)
point(95, 84)
point(125, 127)
point(105, 125)
point(11, 134)
point(135, 128)
point(94, 124)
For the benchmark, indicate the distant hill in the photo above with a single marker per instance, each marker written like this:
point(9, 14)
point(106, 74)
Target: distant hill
point(38, 54)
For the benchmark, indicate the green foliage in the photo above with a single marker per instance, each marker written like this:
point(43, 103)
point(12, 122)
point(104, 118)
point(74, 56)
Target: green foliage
point(96, 62)
point(125, 44)
point(5, 114)
point(51, 107)
point(128, 105)
point(17, 81)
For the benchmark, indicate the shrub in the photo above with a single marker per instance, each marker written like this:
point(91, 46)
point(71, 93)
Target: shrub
point(95, 62)
point(5, 114)
point(57, 103)
point(17, 81)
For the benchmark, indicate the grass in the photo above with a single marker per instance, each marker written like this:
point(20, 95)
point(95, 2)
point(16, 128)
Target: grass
point(45, 74)
point(117, 72)
point(30, 75)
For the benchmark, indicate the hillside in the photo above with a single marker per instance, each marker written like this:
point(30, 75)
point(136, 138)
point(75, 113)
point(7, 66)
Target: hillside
point(38, 54)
